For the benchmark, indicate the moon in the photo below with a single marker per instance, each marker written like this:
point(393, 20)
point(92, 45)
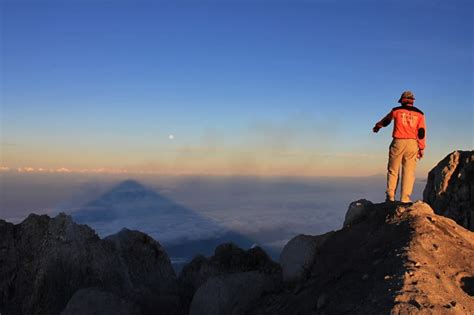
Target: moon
point(171, 137)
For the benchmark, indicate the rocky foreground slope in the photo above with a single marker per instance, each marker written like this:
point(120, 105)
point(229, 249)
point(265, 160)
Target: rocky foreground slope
point(389, 258)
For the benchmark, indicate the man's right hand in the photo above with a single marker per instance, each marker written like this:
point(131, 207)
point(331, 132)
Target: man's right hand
point(376, 129)
point(421, 153)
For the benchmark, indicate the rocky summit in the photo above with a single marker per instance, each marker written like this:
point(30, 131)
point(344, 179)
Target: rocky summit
point(393, 258)
point(388, 258)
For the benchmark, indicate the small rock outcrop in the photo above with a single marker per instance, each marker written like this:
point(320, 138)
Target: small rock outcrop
point(358, 210)
point(450, 188)
point(228, 259)
point(232, 293)
point(298, 255)
point(44, 262)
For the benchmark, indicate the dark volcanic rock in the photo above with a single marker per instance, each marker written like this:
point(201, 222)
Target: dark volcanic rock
point(358, 211)
point(228, 259)
point(297, 257)
point(232, 293)
point(96, 301)
point(149, 270)
point(450, 188)
point(46, 260)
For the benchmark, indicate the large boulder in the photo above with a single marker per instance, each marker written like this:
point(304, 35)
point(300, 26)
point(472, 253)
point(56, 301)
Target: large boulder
point(450, 188)
point(299, 254)
point(358, 211)
point(228, 259)
point(150, 274)
point(232, 293)
point(46, 260)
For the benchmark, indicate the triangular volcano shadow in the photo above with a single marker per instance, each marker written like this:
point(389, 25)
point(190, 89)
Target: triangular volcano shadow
point(183, 232)
point(115, 204)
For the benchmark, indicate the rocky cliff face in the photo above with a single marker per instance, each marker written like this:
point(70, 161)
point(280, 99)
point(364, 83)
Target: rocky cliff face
point(45, 261)
point(450, 188)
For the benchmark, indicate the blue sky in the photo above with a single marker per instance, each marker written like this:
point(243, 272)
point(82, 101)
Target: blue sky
point(263, 87)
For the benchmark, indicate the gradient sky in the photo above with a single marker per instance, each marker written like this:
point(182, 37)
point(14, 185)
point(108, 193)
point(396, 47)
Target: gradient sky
point(245, 87)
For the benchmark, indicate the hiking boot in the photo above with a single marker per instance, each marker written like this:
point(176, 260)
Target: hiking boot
point(389, 199)
point(406, 201)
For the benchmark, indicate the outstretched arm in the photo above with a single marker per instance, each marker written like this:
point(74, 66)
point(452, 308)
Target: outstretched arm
point(383, 123)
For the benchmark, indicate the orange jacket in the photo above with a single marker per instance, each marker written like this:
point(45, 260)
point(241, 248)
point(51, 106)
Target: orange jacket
point(409, 124)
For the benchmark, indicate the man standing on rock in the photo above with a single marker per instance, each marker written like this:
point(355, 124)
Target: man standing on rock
point(408, 144)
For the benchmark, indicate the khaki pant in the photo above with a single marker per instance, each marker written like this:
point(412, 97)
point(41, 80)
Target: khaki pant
point(404, 152)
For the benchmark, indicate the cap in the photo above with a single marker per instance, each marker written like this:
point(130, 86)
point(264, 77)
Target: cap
point(407, 95)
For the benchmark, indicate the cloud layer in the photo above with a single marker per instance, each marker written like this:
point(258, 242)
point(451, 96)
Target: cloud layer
point(177, 210)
